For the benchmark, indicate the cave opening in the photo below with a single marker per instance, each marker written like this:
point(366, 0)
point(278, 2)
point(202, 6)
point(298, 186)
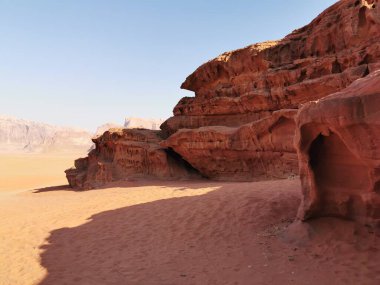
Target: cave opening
point(177, 159)
point(340, 177)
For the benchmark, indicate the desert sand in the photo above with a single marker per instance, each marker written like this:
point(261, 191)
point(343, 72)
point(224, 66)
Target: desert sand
point(155, 232)
point(22, 171)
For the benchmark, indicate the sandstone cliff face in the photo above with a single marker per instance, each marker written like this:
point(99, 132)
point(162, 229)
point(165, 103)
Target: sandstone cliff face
point(338, 143)
point(120, 154)
point(255, 84)
point(259, 150)
point(341, 45)
point(240, 124)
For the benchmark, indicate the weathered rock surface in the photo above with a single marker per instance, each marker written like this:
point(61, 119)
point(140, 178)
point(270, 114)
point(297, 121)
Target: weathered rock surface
point(341, 45)
point(259, 150)
point(240, 125)
point(338, 143)
point(120, 154)
point(251, 85)
point(17, 135)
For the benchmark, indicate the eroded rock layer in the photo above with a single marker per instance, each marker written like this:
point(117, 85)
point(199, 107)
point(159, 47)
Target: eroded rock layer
point(338, 142)
point(259, 150)
point(341, 45)
point(240, 124)
point(120, 154)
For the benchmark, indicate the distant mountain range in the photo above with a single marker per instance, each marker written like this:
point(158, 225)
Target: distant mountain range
point(151, 124)
point(18, 135)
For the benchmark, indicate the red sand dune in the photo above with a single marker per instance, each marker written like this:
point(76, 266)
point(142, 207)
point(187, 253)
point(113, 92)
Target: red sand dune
point(195, 232)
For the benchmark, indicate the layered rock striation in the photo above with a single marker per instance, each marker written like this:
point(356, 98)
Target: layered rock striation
point(259, 150)
point(341, 45)
point(338, 144)
point(121, 154)
point(250, 87)
point(241, 123)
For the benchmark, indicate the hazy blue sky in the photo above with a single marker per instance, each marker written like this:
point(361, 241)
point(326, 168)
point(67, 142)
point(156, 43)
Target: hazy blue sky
point(87, 62)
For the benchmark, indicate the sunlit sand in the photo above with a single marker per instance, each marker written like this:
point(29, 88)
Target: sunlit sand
point(155, 232)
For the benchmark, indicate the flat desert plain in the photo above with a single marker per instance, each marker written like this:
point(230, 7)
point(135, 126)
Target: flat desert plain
point(157, 232)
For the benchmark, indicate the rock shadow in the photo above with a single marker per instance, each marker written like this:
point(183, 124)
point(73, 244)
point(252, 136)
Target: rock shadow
point(180, 184)
point(205, 239)
point(53, 188)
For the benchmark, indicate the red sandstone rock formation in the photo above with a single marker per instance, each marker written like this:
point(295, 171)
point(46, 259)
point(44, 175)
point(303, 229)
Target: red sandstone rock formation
point(338, 143)
point(241, 98)
point(259, 150)
point(120, 154)
point(251, 84)
point(341, 45)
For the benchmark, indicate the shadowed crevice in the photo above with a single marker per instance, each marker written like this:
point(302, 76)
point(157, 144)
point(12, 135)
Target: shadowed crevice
point(340, 177)
point(177, 159)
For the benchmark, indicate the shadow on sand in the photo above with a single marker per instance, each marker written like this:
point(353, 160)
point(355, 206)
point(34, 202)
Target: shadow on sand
point(181, 185)
point(215, 238)
point(53, 188)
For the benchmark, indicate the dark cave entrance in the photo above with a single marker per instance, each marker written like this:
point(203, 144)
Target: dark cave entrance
point(177, 159)
point(339, 176)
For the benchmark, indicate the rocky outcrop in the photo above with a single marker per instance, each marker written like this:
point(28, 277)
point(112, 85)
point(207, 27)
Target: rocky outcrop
point(253, 85)
point(341, 45)
point(240, 124)
point(338, 143)
point(17, 135)
point(259, 150)
point(121, 154)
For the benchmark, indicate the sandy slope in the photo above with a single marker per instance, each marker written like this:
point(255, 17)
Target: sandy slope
point(176, 233)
